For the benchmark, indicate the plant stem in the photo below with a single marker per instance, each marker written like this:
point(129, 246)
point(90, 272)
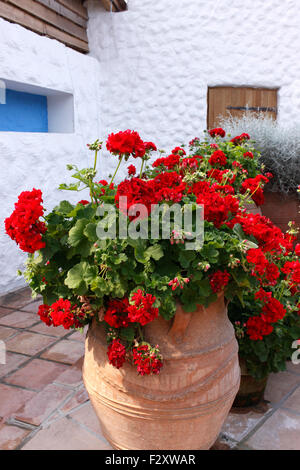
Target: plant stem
point(95, 161)
point(121, 158)
point(140, 332)
point(141, 172)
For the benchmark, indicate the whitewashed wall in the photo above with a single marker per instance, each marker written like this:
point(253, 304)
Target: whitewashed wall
point(38, 160)
point(158, 58)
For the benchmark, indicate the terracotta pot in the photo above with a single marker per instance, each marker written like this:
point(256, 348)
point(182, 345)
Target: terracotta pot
point(282, 209)
point(253, 208)
point(251, 391)
point(185, 406)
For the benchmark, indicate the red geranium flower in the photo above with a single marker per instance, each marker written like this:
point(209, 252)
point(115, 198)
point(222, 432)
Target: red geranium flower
point(131, 170)
point(126, 142)
point(24, 226)
point(116, 314)
point(116, 353)
point(219, 280)
point(147, 361)
point(217, 131)
point(142, 311)
point(218, 158)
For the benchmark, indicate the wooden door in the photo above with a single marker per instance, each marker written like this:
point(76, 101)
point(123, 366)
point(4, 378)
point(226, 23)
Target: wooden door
point(237, 100)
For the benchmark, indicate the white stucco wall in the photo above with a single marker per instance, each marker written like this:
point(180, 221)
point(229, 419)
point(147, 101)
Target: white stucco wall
point(158, 58)
point(38, 160)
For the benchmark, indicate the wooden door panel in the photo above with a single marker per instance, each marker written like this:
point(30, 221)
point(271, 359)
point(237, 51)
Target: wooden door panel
point(236, 100)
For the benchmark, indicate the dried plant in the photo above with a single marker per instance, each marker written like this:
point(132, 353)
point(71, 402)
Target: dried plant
point(279, 147)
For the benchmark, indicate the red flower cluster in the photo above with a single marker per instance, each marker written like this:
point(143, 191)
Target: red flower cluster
point(137, 191)
point(194, 141)
point(218, 158)
point(150, 146)
point(266, 272)
point(221, 175)
point(147, 360)
point(60, 313)
point(248, 155)
point(44, 314)
point(269, 237)
point(239, 139)
point(191, 162)
point(178, 151)
point(257, 328)
point(24, 226)
point(217, 207)
point(126, 142)
point(168, 187)
point(219, 280)
point(84, 202)
point(255, 185)
point(142, 311)
point(292, 271)
point(260, 325)
point(116, 314)
point(169, 162)
point(131, 170)
point(116, 353)
point(217, 131)
point(273, 311)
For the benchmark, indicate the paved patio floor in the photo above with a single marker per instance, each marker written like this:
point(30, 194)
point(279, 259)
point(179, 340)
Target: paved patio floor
point(44, 405)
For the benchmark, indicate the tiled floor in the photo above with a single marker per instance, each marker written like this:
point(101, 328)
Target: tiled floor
point(43, 403)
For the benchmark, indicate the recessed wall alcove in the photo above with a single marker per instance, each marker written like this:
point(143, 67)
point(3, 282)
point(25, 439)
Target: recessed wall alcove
point(29, 108)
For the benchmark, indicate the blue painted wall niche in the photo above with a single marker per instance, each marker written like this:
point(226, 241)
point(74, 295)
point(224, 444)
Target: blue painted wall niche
point(24, 112)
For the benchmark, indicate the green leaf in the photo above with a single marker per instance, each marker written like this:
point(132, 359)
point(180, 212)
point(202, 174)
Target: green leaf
point(127, 334)
point(155, 252)
point(64, 208)
point(121, 258)
point(74, 278)
point(90, 232)
point(186, 257)
point(76, 232)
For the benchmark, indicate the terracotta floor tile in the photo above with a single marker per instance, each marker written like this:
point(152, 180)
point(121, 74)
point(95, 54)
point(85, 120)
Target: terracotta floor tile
point(6, 332)
point(279, 385)
point(238, 425)
point(87, 416)
point(11, 436)
point(78, 336)
point(65, 351)
point(13, 361)
point(35, 411)
point(79, 398)
point(293, 402)
point(280, 432)
point(11, 399)
point(72, 376)
point(54, 438)
point(4, 311)
point(293, 367)
point(58, 331)
point(19, 319)
point(16, 299)
point(37, 374)
point(33, 306)
point(29, 343)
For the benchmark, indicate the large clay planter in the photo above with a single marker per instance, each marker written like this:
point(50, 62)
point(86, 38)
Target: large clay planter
point(185, 406)
point(282, 209)
point(251, 391)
